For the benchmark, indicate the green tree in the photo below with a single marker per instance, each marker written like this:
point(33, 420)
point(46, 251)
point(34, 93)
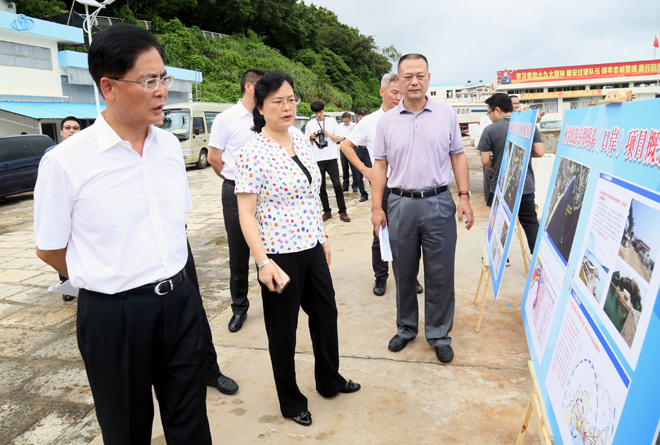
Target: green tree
point(40, 8)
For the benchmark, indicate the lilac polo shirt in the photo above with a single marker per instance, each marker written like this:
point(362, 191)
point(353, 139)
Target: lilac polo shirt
point(417, 146)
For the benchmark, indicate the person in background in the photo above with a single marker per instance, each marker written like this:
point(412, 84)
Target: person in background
point(68, 127)
point(365, 133)
point(287, 237)
point(322, 132)
point(229, 132)
point(347, 169)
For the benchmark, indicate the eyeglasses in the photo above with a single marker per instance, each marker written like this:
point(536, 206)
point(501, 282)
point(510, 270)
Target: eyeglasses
point(69, 127)
point(280, 102)
point(150, 85)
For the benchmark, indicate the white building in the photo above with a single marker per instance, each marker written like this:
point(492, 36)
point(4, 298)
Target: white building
point(41, 85)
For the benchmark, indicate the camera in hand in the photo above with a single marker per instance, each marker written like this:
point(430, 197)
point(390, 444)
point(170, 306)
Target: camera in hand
point(321, 140)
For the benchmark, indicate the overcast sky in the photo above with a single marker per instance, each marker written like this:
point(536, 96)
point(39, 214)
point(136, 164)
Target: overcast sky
point(472, 40)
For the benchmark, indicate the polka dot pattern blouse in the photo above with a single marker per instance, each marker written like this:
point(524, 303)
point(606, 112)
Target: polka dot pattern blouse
point(288, 211)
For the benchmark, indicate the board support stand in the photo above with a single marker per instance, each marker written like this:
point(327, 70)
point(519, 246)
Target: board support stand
point(536, 407)
point(522, 246)
point(485, 271)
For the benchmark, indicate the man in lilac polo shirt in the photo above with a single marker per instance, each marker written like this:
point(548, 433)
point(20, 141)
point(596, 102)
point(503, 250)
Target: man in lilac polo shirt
point(421, 141)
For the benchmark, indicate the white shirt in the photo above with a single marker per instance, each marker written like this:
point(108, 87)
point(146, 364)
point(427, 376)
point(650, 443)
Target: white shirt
point(344, 129)
point(121, 216)
point(364, 132)
point(229, 132)
point(329, 152)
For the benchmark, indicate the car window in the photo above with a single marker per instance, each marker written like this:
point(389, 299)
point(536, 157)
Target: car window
point(38, 144)
point(209, 116)
point(14, 148)
point(198, 125)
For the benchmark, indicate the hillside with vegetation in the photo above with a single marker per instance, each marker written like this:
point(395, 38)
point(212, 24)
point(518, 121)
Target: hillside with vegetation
point(328, 60)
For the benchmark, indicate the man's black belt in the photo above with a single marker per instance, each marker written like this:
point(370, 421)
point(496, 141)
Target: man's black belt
point(160, 288)
point(422, 193)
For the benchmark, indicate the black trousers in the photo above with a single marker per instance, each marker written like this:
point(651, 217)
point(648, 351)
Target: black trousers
point(379, 266)
point(128, 345)
point(529, 219)
point(347, 167)
point(527, 216)
point(330, 166)
point(310, 289)
point(239, 252)
point(212, 367)
point(363, 155)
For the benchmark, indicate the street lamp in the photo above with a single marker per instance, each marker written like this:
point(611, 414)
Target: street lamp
point(87, 26)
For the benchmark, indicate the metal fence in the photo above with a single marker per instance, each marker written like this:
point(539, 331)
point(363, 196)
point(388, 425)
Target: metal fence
point(104, 21)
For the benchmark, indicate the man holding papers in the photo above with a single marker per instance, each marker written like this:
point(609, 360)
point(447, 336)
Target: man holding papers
point(421, 141)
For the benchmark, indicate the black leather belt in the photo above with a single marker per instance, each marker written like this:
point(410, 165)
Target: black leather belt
point(161, 288)
point(422, 193)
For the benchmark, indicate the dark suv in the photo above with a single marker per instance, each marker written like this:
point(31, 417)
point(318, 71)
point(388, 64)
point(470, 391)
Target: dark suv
point(19, 161)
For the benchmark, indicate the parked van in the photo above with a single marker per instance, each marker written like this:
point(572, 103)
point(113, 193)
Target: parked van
point(19, 162)
point(191, 123)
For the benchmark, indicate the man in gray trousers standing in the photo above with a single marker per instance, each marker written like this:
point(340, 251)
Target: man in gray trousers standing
point(421, 141)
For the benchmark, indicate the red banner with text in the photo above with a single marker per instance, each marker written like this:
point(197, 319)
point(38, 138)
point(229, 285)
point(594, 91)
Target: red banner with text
point(579, 72)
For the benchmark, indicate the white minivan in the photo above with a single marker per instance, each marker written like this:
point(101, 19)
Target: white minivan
point(191, 123)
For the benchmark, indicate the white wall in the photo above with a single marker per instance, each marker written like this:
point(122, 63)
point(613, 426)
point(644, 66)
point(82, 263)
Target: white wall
point(14, 124)
point(29, 81)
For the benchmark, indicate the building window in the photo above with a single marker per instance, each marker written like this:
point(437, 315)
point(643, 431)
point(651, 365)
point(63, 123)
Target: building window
point(25, 56)
point(432, 93)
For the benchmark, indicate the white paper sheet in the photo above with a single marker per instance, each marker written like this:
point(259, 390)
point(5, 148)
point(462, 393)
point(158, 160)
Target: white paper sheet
point(385, 249)
point(65, 289)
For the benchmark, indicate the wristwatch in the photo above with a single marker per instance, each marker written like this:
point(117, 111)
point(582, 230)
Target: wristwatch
point(468, 194)
point(263, 263)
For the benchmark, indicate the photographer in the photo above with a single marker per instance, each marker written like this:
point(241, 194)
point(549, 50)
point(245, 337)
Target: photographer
point(322, 135)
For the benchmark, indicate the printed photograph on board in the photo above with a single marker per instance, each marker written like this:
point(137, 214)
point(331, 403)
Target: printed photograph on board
point(625, 301)
point(566, 205)
point(493, 216)
point(505, 161)
point(641, 240)
point(514, 176)
point(593, 272)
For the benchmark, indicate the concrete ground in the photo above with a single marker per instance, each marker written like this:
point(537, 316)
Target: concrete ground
point(406, 397)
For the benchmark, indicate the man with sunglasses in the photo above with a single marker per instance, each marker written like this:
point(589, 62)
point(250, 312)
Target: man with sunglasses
point(109, 212)
point(68, 127)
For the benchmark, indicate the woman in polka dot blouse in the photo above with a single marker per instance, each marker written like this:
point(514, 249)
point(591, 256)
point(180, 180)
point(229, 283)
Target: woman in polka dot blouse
point(277, 183)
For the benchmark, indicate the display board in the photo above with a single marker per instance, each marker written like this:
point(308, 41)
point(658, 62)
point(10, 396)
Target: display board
point(510, 182)
point(589, 307)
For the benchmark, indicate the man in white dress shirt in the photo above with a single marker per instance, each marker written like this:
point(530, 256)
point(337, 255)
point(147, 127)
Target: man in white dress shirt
point(231, 130)
point(364, 134)
point(109, 213)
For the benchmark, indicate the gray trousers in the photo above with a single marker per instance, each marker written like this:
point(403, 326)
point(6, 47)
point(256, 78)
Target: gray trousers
point(428, 224)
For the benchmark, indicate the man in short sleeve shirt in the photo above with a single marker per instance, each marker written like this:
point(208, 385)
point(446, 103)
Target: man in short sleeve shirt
point(421, 141)
point(323, 135)
point(493, 140)
point(344, 128)
point(109, 213)
point(231, 130)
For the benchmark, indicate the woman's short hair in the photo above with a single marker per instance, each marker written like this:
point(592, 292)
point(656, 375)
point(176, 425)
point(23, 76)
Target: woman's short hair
point(270, 82)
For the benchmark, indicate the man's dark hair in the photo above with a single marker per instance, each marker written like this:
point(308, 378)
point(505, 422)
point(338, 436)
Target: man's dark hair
point(501, 100)
point(69, 118)
point(115, 49)
point(346, 115)
point(412, 56)
point(317, 105)
point(252, 75)
point(511, 96)
point(270, 82)
point(361, 112)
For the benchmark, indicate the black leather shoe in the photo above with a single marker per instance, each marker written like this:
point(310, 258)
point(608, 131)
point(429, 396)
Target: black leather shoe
point(355, 190)
point(236, 322)
point(224, 384)
point(350, 387)
point(364, 198)
point(344, 189)
point(397, 343)
point(304, 419)
point(68, 297)
point(379, 287)
point(444, 353)
point(420, 289)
